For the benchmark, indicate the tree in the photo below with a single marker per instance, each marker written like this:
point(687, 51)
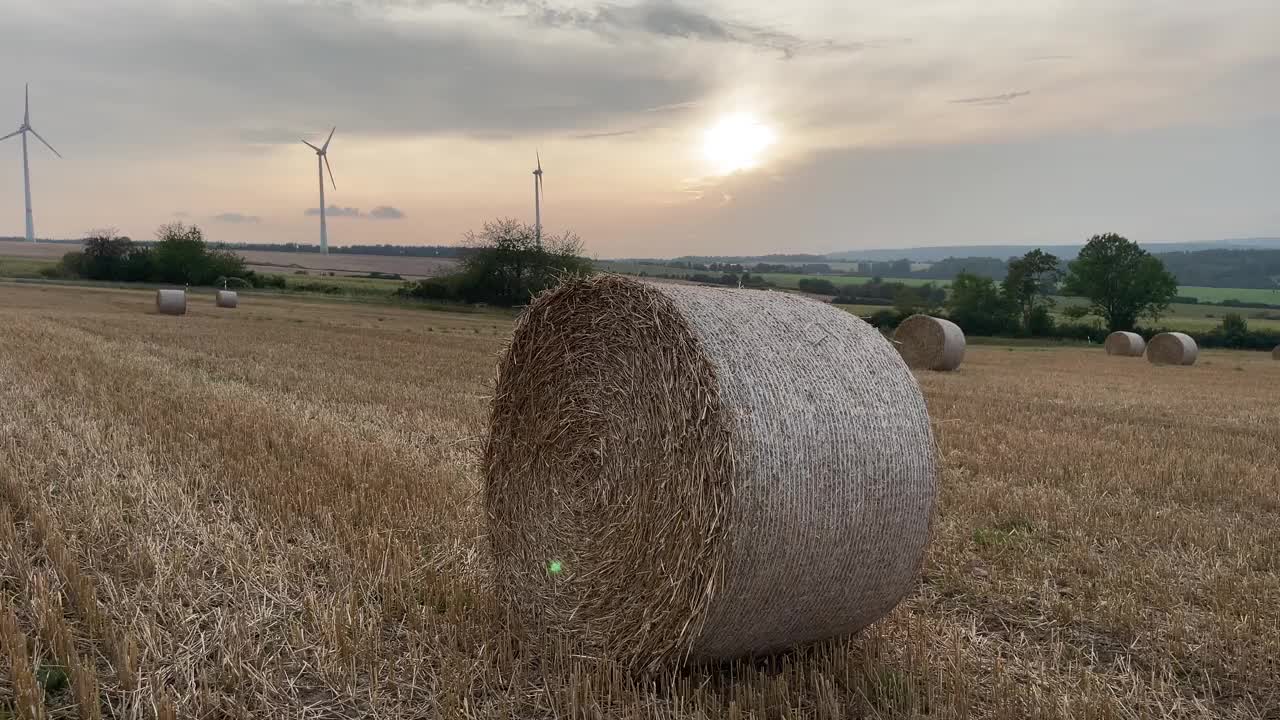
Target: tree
point(1121, 280)
point(978, 307)
point(181, 255)
point(1234, 329)
point(508, 266)
point(1028, 284)
point(105, 254)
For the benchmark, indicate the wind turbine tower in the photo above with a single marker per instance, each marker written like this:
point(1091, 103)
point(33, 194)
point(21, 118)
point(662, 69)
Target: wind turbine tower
point(322, 163)
point(22, 130)
point(537, 200)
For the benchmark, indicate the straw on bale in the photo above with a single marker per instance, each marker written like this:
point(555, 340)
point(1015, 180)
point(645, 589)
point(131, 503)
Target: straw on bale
point(227, 299)
point(1125, 344)
point(1172, 348)
point(930, 343)
point(171, 302)
point(687, 473)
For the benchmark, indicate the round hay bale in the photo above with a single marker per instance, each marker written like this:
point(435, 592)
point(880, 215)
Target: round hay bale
point(687, 473)
point(227, 299)
point(1172, 348)
point(171, 302)
point(930, 343)
point(1275, 353)
point(1125, 344)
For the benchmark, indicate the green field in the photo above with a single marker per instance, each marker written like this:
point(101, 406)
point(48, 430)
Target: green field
point(19, 267)
point(1217, 295)
point(342, 285)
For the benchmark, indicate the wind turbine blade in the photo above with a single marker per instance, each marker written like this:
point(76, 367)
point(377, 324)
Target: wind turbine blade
point(26, 104)
point(326, 142)
point(538, 155)
point(313, 147)
point(46, 142)
point(326, 164)
point(6, 137)
point(541, 192)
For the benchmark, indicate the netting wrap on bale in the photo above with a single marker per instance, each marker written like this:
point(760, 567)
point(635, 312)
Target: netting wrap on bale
point(227, 299)
point(686, 473)
point(1125, 344)
point(171, 302)
point(930, 343)
point(1172, 348)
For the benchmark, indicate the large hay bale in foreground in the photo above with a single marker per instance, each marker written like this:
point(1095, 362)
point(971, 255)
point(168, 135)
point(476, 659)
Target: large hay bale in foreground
point(1172, 348)
point(678, 472)
point(227, 299)
point(930, 343)
point(1125, 344)
point(171, 302)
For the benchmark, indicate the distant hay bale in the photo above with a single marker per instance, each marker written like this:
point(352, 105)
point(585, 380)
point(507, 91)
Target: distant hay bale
point(688, 473)
point(1125, 344)
point(930, 343)
point(171, 302)
point(1275, 353)
point(227, 299)
point(1172, 348)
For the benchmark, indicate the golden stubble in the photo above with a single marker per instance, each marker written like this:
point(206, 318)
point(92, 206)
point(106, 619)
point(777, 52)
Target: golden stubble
point(274, 511)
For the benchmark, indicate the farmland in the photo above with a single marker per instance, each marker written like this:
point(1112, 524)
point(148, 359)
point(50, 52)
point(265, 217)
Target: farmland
point(274, 511)
point(266, 261)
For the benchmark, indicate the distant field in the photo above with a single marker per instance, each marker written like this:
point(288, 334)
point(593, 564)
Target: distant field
point(1214, 295)
point(23, 267)
point(792, 280)
point(268, 261)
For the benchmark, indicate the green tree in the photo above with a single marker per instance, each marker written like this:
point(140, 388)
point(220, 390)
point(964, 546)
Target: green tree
point(105, 254)
point(507, 265)
point(1121, 280)
point(181, 255)
point(1028, 284)
point(1234, 329)
point(978, 307)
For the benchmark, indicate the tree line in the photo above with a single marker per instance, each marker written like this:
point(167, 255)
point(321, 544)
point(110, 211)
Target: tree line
point(180, 255)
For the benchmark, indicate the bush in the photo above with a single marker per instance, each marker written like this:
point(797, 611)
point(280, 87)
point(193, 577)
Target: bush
point(817, 286)
point(276, 282)
point(507, 265)
point(885, 319)
point(232, 283)
point(1040, 322)
point(430, 289)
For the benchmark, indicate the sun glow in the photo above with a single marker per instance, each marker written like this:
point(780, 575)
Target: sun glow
point(736, 143)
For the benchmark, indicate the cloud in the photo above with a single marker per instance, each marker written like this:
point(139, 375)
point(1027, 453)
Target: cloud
point(669, 19)
point(386, 212)
point(370, 69)
point(236, 218)
point(1004, 99)
point(181, 213)
point(600, 135)
point(381, 212)
point(334, 211)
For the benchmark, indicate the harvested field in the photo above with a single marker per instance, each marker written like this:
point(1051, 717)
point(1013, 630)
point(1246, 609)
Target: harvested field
point(275, 512)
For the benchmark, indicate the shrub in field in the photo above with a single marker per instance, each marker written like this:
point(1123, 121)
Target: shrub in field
point(507, 266)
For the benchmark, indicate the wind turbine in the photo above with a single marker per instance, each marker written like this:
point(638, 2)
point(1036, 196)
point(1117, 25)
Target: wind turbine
point(322, 162)
point(22, 130)
point(537, 200)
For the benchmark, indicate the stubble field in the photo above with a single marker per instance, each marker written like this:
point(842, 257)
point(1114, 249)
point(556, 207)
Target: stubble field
point(274, 512)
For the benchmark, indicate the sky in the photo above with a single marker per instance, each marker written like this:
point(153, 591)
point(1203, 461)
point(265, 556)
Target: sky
point(664, 127)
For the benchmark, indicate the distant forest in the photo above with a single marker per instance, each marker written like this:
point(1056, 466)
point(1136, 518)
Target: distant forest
point(444, 251)
point(1227, 268)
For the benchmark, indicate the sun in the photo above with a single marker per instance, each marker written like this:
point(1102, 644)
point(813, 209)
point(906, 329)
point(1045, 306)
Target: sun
point(736, 143)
